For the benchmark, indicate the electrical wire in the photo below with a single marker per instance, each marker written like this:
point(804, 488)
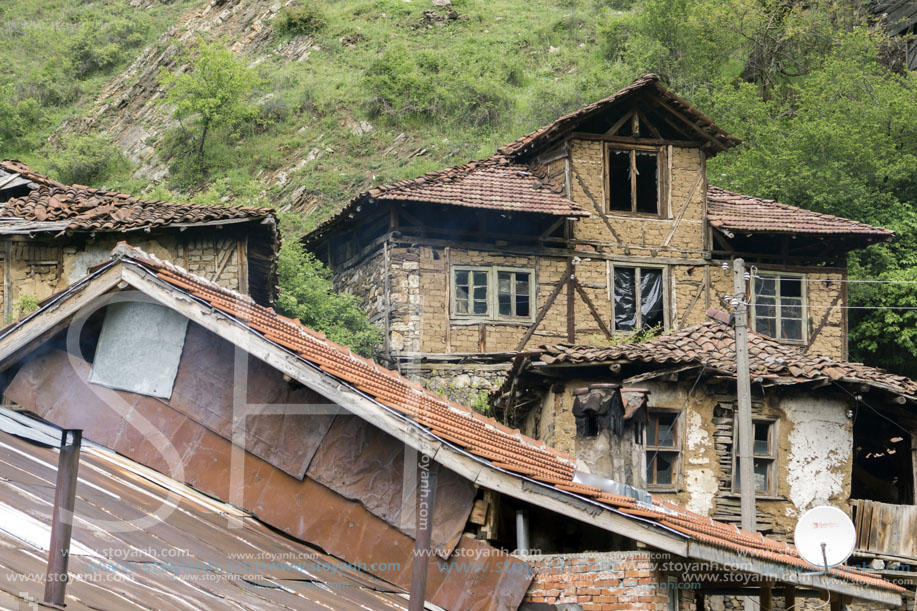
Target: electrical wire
point(859, 399)
point(833, 280)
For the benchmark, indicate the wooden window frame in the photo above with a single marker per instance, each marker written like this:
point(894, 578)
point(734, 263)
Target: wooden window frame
point(662, 182)
point(666, 317)
point(771, 456)
point(650, 449)
point(493, 310)
point(804, 322)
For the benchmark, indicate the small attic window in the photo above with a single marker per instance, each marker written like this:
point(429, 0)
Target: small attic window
point(139, 348)
point(633, 180)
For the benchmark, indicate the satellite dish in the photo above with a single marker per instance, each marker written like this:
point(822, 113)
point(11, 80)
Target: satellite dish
point(825, 536)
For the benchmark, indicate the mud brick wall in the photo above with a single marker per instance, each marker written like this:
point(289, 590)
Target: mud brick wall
point(642, 235)
point(606, 582)
point(38, 269)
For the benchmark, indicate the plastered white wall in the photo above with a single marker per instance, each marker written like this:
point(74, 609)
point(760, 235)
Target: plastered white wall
point(821, 446)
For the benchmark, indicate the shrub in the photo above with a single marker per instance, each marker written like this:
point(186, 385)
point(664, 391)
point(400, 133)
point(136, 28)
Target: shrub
point(307, 293)
point(85, 159)
point(305, 18)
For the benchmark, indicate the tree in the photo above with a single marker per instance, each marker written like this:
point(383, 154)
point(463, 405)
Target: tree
point(307, 293)
point(215, 89)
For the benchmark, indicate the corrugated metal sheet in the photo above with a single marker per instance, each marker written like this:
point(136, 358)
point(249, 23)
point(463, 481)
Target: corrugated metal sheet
point(476, 575)
point(192, 559)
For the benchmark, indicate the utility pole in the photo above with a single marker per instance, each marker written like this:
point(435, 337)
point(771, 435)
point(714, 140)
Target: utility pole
point(743, 388)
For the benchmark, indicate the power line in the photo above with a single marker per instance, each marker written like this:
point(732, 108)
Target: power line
point(832, 280)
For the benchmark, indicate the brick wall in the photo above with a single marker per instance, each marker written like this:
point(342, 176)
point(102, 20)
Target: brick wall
point(609, 581)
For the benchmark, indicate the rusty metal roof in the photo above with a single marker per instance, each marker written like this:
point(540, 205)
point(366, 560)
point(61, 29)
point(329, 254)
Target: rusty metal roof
point(142, 540)
point(713, 344)
point(744, 213)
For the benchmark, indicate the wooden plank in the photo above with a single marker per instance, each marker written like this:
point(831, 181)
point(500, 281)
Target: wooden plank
point(684, 208)
point(701, 289)
point(650, 126)
point(641, 144)
point(544, 309)
point(694, 128)
point(618, 125)
point(824, 320)
point(8, 282)
point(448, 293)
point(592, 309)
point(571, 309)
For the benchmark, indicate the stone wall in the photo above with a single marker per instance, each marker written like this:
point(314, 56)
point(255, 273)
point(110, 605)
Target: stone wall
point(37, 269)
point(606, 582)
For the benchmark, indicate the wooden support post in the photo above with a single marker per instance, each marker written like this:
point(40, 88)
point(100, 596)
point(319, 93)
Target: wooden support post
point(387, 288)
point(914, 463)
point(427, 477)
point(62, 516)
point(789, 596)
point(766, 599)
point(743, 388)
point(8, 282)
point(571, 309)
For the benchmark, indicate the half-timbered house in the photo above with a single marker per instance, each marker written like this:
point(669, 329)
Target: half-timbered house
point(602, 222)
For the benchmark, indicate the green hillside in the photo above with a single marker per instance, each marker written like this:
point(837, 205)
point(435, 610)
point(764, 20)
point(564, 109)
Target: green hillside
point(350, 93)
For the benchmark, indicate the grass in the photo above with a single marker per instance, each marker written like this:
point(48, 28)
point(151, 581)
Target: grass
point(456, 88)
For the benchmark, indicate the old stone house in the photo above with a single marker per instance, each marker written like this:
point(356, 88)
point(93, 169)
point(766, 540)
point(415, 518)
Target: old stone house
point(412, 494)
point(661, 415)
point(601, 222)
point(51, 234)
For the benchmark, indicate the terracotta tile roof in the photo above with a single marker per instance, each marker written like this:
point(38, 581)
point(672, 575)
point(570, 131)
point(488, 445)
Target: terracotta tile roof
point(79, 208)
point(494, 183)
point(14, 166)
point(550, 133)
point(457, 424)
point(737, 212)
point(713, 344)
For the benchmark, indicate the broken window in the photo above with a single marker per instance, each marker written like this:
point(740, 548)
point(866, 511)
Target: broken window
point(492, 293)
point(778, 306)
point(633, 180)
point(764, 457)
point(638, 295)
point(663, 449)
point(513, 293)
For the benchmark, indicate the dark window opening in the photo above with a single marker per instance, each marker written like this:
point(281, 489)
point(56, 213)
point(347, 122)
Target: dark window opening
point(619, 179)
point(590, 425)
point(647, 189)
point(638, 297)
point(883, 468)
point(633, 181)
